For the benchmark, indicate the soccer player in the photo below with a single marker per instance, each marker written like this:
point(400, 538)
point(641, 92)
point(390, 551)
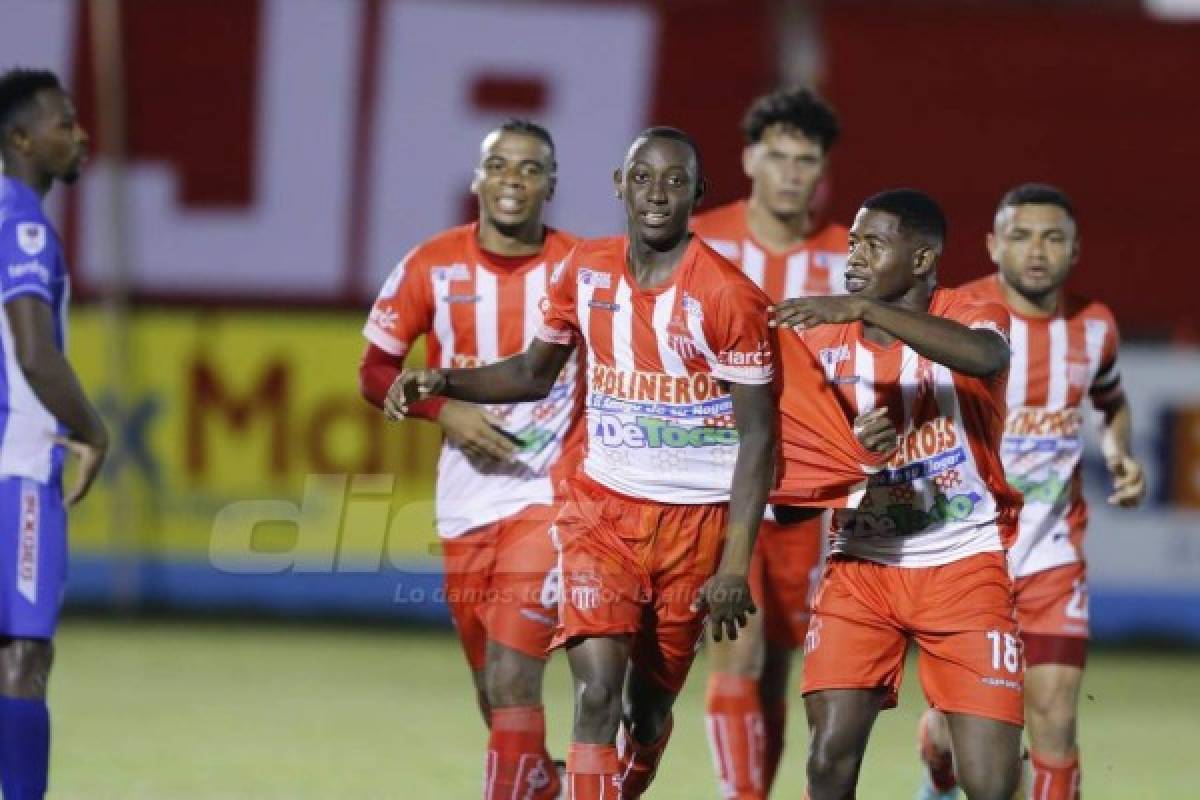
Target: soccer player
point(920, 555)
point(44, 414)
point(776, 238)
point(1064, 348)
point(658, 526)
point(475, 292)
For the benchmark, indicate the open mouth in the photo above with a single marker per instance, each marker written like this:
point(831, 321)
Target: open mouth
point(510, 204)
point(654, 219)
point(855, 283)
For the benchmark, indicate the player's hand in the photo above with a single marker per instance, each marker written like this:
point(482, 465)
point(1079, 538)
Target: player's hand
point(90, 457)
point(875, 431)
point(410, 386)
point(725, 597)
point(808, 312)
point(1129, 481)
point(477, 433)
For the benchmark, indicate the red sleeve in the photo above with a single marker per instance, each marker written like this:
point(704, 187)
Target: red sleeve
point(822, 462)
point(985, 315)
point(560, 317)
point(738, 335)
point(376, 374)
point(404, 308)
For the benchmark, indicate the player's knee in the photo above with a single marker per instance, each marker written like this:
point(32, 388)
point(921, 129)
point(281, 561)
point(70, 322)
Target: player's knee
point(25, 667)
point(830, 765)
point(510, 681)
point(599, 704)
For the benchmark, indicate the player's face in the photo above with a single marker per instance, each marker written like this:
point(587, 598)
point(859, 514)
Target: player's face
point(785, 166)
point(1034, 246)
point(57, 144)
point(514, 179)
point(659, 185)
point(884, 261)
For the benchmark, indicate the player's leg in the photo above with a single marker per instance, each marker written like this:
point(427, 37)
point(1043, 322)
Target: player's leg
point(32, 578)
point(773, 696)
point(468, 562)
point(1053, 611)
point(853, 665)
point(520, 615)
point(598, 665)
point(646, 726)
point(936, 751)
point(963, 619)
point(733, 709)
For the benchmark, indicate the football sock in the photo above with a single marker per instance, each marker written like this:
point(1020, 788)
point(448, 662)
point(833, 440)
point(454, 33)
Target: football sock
point(593, 772)
point(736, 735)
point(517, 762)
point(639, 762)
point(24, 748)
point(1055, 778)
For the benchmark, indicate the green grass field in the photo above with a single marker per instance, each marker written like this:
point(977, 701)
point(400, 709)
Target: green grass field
point(200, 710)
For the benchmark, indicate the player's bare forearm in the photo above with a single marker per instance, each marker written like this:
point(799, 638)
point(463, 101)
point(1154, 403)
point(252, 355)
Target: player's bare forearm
point(753, 473)
point(522, 378)
point(48, 372)
point(971, 351)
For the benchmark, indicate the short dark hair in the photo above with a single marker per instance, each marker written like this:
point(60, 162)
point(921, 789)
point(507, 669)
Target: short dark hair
point(18, 87)
point(529, 127)
point(918, 212)
point(800, 108)
point(667, 132)
point(1041, 194)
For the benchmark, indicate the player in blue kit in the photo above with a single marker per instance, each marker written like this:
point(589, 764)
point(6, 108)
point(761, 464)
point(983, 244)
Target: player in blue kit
point(44, 414)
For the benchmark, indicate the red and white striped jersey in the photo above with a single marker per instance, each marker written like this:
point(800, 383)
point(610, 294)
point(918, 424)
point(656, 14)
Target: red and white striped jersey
point(817, 266)
point(476, 308)
point(660, 424)
point(942, 496)
point(1056, 361)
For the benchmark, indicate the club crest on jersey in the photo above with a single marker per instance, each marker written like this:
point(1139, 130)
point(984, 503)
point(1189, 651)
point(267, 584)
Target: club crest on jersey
point(31, 237)
point(595, 278)
point(691, 306)
point(684, 345)
point(454, 272)
point(830, 357)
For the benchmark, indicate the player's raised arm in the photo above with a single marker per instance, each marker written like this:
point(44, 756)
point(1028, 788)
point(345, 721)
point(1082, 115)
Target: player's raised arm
point(522, 378)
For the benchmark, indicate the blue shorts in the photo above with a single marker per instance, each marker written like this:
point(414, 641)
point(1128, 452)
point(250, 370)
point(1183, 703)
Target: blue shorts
point(33, 557)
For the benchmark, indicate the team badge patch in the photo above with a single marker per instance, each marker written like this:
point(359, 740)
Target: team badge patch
point(31, 237)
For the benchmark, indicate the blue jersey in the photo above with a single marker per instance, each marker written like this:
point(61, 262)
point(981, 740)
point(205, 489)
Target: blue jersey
point(31, 265)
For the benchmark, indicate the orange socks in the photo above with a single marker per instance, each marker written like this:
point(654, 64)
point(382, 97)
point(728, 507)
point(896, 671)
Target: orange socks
point(737, 736)
point(517, 763)
point(639, 761)
point(593, 772)
point(1055, 779)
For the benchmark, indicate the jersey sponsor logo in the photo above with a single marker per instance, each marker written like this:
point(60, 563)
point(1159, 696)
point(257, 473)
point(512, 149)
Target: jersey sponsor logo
point(454, 272)
point(385, 318)
point(595, 278)
point(655, 432)
point(31, 237)
point(27, 544)
point(34, 268)
point(654, 387)
point(1048, 490)
point(931, 439)
point(1028, 430)
point(759, 357)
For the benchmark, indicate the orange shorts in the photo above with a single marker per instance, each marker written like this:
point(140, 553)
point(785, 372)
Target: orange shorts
point(633, 567)
point(1052, 610)
point(960, 615)
point(783, 572)
point(502, 584)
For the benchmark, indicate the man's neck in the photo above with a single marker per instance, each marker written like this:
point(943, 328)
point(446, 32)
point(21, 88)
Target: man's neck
point(915, 299)
point(524, 241)
point(652, 266)
point(1036, 306)
point(778, 233)
point(18, 170)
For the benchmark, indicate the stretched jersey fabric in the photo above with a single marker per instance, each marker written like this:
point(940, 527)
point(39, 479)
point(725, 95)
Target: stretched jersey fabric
point(31, 265)
point(942, 495)
point(816, 266)
point(476, 308)
point(659, 421)
point(1056, 361)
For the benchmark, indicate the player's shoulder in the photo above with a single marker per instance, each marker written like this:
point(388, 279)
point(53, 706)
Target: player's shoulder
point(558, 243)
point(22, 219)
point(602, 251)
point(723, 222)
point(453, 245)
point(1077, 306)
point(964, 301)
point(715, 277)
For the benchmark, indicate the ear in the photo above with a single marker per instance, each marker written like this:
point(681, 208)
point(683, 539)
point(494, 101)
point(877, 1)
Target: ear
point(993, 248)
point(552, 183)
point(749, 157)
point(617, 183)
point(701, 190)
point(1076, 248)
point(476, 181)
point(924, 260)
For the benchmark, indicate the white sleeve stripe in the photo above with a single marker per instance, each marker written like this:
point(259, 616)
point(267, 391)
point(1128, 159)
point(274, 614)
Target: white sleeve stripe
point(384, 341)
